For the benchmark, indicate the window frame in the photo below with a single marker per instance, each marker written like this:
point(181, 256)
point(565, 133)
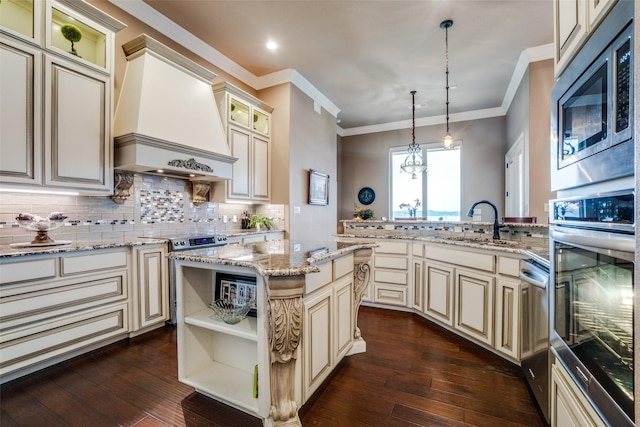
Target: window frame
point(424, 150)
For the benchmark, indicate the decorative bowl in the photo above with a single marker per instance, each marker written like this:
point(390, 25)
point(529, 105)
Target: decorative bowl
point(231, 313)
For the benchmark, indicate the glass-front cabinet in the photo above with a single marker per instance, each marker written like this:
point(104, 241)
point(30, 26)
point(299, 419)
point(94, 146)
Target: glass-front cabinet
point(56, 60)
point(248, 125)
point(21, 17)
point(69, 33)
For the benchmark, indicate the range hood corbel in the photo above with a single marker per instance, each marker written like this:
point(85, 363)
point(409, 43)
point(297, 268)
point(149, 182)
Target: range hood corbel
point(167, 121)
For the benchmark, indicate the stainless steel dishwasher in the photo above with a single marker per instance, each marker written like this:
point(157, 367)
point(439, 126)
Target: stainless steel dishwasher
point(535, 330)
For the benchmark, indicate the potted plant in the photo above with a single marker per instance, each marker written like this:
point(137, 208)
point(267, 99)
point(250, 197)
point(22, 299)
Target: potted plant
point(362, 213)
point(258, 221)
point(73, 34)
point(411, 210)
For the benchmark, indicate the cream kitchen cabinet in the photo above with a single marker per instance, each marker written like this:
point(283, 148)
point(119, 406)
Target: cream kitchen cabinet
point(473, 314)
point(574, 21)
point(328, 321)
point(417, 275)
point(510, 295)
point(507, 316)
point(150, 296)
point(248, 124)
point(439, 285)
point(58, 135)
point(390, 272)
point(53, 307)
point(21, 120)
point(569, 407)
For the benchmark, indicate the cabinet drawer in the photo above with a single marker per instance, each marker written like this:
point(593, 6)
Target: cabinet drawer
point(509, 266)
point(399, 248)
point(342, 266)
point(397, 263)
point(43, 341)
point(315, 281)
point(93, 262)
point(27, 270)
point(475, 260)
point(31, 303)
point(391, 295)
point(396, 277)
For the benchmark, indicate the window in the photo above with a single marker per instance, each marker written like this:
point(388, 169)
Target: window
point(439, 186)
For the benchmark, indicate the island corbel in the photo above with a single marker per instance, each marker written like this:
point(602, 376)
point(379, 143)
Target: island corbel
point(284, 307)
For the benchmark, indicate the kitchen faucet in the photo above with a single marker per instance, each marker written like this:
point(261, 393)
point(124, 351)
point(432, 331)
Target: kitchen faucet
point(496, 226)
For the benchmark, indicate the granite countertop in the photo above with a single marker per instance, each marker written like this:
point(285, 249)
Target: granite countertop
point(7, 251)
point(509, 246)
point(275, 258)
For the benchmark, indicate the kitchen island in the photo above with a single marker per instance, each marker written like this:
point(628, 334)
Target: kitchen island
point(268, 365)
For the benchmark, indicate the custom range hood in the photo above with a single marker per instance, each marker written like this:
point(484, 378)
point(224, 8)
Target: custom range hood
point(167, 121)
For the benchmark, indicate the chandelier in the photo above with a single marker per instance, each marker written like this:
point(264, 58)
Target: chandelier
point(447, 140)
point(413, 163)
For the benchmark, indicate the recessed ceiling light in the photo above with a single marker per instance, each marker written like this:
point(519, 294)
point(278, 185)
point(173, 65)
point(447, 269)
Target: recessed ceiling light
point(271, 45)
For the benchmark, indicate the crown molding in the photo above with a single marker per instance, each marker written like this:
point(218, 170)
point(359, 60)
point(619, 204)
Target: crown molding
point(527, 56)
point(153, 18)
point(145, 13)
point(424, 121)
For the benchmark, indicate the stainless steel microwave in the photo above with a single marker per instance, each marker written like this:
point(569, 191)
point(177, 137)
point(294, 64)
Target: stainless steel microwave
point(592, 115)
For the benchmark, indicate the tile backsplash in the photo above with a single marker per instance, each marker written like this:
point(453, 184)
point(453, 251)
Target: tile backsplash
point(158, 206)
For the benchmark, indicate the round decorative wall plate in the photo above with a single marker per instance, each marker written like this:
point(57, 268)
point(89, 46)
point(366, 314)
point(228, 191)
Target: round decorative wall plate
point(366, 195)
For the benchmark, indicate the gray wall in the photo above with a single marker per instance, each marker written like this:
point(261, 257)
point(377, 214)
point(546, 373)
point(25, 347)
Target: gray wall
point(364, 162)
point(530, 114)
point(302, 140)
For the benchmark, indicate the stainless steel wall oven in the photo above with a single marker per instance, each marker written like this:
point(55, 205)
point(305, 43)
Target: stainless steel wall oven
point(592, 265)
point(592, 115)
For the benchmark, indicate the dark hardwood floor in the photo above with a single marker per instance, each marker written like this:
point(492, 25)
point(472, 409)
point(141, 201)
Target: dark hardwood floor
point(413, 374)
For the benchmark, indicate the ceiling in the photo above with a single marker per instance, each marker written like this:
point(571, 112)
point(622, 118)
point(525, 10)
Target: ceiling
point(366, 56)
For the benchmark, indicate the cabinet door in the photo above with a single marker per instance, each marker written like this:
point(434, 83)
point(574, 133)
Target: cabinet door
point(240, 142)
point(318, 333)
point(418, 284)
point(597, 10)
point(151, 287)
point(506, 317)
point(260, 168)
point(343, 317)
point(21, 119)
point(566, 409)
point(77, 122)
point(474, 305)
point(439, 285)
point(570, 30)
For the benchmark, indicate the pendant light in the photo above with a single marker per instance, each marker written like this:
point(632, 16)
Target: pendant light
point(447, 140)
point(413, 163)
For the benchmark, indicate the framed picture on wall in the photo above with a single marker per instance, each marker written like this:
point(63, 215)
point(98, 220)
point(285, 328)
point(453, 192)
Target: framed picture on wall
point(318, 188)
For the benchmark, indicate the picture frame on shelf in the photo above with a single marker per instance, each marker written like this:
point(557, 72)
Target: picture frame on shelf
point(318, 188)
point(236, 289)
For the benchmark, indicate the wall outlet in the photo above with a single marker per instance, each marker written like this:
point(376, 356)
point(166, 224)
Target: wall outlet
point(477, 214)
point(546, 207)
point(296, 247)
point(296, 209)
point(225, 219)
point(235, 218)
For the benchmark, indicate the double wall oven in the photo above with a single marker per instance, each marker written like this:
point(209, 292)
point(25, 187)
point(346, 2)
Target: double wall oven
point(592, 245)
point(592, 223)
